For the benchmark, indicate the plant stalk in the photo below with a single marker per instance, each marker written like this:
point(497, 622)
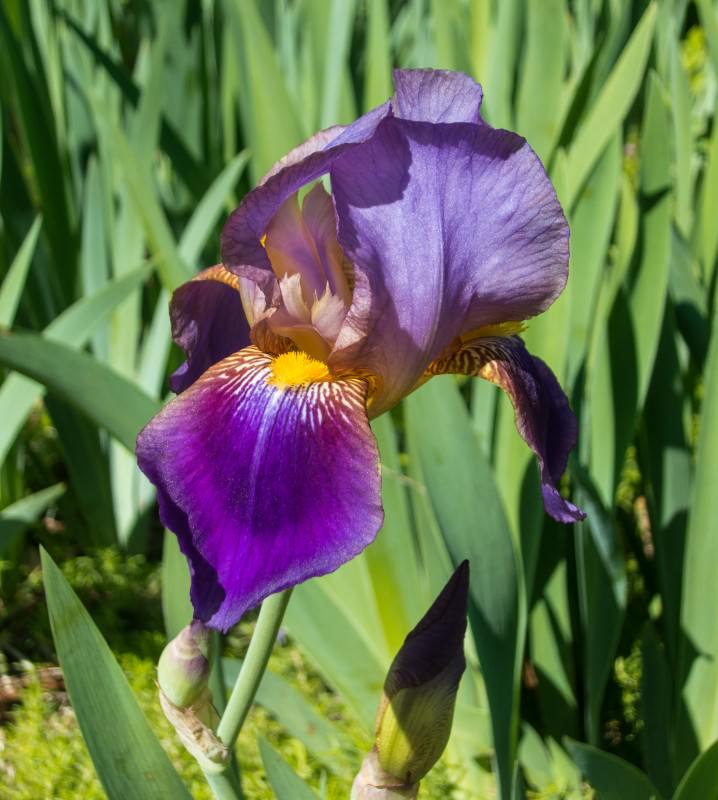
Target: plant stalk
point(224, 785)
point(255, 662)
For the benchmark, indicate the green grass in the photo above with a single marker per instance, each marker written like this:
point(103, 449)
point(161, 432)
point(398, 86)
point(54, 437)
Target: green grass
point(42, 753)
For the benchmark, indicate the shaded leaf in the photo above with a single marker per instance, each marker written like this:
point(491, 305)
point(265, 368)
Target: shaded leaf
point(701, 778)
point(105, 397)
point(611, 776)
point(472, 520)
point(17, 517)
point(286, 784)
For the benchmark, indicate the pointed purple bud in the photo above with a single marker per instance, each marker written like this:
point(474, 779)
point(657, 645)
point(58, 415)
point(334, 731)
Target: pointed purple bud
point(417, 707)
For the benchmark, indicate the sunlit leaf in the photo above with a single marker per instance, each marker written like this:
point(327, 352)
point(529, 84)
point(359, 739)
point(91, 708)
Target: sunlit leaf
point(14, 281)
point(612, 104)
point(129, 759)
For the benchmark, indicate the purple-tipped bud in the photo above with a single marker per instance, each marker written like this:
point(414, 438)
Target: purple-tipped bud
point(417, 706)
point(183, 668)
point(183, 677)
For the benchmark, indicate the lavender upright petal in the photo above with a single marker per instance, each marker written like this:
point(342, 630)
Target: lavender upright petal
point(241, 237)
point(431, 95)
point(450, 227)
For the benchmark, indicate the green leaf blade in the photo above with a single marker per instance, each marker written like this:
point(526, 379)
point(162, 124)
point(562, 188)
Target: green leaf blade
point(98, 391)
point(287, 785)
point(129, 760)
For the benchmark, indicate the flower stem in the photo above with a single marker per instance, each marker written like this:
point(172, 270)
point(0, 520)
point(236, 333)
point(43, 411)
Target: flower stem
point(255, 662)
point(223, 785)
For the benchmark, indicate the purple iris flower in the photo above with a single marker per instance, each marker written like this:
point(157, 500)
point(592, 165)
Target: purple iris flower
point(439, 237)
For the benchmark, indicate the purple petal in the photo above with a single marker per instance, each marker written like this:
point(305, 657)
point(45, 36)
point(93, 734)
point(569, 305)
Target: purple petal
point(436, 643)
point(244, 229)
point(543, 416)
point(430, 95)
point(208, 323)
point(264, 487)
point(449, 228)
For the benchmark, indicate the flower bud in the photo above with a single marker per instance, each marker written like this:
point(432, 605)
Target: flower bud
point(417, 706)
point(183, 677)
point(183, 669)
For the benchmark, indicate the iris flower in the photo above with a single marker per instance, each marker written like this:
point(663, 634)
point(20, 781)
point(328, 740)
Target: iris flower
point(439, 237)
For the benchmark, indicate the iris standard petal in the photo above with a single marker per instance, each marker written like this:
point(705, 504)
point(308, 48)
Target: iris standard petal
point(450, 227)
point(543, 416)
point(265, 484)
point(208, 322)
point(244, 229)
point(430, 95)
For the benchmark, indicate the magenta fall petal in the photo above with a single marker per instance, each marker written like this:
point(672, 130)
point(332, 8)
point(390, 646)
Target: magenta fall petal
point(265, 487)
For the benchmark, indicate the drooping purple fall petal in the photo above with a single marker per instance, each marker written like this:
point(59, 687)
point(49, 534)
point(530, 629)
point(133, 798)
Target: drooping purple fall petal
point(543, 416)
point(265, 485)
point(208, 322)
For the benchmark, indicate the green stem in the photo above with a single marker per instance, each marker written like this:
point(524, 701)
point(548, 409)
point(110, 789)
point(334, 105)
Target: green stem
point(255, 662)
point(218, 687)
point(223, 786)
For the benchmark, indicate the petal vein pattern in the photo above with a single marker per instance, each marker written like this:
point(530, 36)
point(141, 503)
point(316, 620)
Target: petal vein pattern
point(265, 485)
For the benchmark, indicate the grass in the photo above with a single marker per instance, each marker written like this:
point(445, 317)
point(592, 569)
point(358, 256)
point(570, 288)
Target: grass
point(42, 753)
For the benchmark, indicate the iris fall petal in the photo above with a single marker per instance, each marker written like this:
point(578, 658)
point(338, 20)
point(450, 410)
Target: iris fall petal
point(265, 485)
point(543, 416)
point(208, 322)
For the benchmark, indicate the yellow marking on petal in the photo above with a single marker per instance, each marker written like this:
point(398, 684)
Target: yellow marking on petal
point(297, 369)
point(263, 241)
point(500, 329)
point(473, 353)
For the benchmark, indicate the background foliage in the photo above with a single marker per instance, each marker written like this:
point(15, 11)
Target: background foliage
point(129, 129)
